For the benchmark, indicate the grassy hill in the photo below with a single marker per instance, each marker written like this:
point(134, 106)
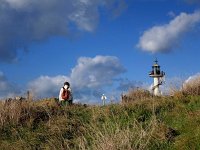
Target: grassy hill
point(150, 123)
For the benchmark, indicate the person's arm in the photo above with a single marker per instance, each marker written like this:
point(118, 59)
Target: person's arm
point(60, 94)
point(71, 95)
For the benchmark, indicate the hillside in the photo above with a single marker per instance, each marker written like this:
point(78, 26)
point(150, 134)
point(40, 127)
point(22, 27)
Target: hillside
point(152, 123)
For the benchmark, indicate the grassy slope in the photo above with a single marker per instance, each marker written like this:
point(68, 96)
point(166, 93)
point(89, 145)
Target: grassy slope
point(159, 123)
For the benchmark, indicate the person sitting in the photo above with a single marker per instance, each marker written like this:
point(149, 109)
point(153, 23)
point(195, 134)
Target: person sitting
point(65, 95)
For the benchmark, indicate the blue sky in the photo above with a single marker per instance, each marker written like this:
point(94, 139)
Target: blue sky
point(99, 46)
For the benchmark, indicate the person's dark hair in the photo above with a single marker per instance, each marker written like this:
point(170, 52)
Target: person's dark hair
point(67, 83)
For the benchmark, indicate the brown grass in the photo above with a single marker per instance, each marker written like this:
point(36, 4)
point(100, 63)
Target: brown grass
point(77, 127)
point(192, 86)
point(145, 122)
point(136, 94)
point(10, 111)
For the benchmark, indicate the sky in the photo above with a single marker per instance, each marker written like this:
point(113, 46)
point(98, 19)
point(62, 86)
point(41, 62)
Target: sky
point(99, 46)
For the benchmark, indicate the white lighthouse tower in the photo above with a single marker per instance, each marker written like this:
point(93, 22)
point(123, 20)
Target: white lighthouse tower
point(158, 77)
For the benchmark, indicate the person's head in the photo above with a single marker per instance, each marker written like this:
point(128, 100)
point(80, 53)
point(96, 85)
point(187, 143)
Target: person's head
point(67, 83)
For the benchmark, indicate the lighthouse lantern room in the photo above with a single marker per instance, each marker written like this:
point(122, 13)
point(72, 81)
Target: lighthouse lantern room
point(158, 77)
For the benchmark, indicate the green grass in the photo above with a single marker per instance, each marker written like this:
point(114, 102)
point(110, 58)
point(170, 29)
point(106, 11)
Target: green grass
point(153, 123)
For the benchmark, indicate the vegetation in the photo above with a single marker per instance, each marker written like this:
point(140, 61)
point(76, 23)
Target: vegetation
point(192, 86)
point(149, 123)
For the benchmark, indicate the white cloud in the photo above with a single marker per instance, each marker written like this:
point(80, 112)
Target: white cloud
point(25, 21)
point(92, 76)
point(95, 72)
point(88, 90)
point(89, 79)
point(165, 38)
point(46, 86)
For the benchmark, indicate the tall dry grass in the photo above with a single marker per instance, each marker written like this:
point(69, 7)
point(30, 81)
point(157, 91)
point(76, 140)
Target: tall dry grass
point(18, 112)
point(45, 125)
point(136, 126)
point(112, 137)
point(11, 111)
point(192, 86)
point(136, 94)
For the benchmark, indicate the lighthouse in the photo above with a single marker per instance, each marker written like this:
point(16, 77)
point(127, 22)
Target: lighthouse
point(158, 77)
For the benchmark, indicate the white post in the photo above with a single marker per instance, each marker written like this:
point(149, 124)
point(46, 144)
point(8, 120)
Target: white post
point(103, 98)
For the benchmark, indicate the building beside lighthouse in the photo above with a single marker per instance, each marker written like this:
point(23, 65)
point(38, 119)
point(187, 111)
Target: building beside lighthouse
point(158, 77)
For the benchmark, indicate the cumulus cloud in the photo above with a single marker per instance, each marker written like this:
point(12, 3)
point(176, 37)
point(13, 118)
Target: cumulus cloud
point(165, 38)
point(95, 72)
point(7, 89)
point(91, 76)
point(89, 79)
point(25, 21)
point(46, 86)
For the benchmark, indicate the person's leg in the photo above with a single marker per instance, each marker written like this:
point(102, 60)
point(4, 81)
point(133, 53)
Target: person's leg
point(70, 102)
point(62, 103)
point(66, 103)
